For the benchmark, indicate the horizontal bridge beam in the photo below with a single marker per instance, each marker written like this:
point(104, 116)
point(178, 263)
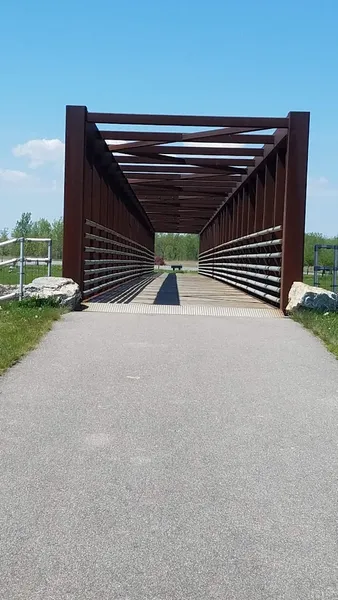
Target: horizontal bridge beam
point(191, 150)
point(202, 203)
point(167, 138)
point(227, 164)
point(187, 120)
point(164, 184)
point(219, 176)
point(184, 169)
point(194, 191)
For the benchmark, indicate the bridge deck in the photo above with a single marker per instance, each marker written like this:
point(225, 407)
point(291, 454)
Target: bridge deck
point(183, 290)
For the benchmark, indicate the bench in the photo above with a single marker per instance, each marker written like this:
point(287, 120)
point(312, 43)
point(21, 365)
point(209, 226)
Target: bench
point(174, 267)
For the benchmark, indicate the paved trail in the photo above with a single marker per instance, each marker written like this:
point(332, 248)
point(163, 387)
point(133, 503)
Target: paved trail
point(170, 458)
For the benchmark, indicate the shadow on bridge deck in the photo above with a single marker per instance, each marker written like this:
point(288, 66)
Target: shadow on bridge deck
point(168, 293)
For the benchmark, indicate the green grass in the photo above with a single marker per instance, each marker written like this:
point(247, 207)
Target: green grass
point(22, 324)
point(11, 277)
point(323, 325)
point(324, 282)
point(182, 272)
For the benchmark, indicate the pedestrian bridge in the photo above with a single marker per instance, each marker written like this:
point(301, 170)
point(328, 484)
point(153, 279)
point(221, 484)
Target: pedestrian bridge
point(238, 182)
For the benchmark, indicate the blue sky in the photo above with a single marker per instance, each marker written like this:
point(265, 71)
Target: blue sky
point(254, 57)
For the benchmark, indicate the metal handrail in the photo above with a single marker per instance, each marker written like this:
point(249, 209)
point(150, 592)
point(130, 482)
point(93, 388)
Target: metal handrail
point(22, 260)
point(244, 237)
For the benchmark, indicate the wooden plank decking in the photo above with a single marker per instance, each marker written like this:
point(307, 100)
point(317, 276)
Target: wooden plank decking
point(181, 289)
point(186, 290)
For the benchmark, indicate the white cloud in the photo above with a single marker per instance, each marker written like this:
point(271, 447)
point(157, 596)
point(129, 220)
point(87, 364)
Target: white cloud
point(14, 177)
point(41, 151)
point(12, 181)
point(321, 187)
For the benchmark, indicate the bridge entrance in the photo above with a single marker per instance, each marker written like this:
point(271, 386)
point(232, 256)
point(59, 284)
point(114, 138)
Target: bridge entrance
point(239, 182)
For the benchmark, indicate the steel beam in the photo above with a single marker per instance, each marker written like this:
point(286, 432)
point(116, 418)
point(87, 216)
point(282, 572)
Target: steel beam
point(294, 202)
point(167, 138)
point(185, 120)
point(74, 193)
point(188, 150)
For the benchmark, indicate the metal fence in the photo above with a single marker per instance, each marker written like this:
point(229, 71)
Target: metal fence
point(18, 270)
point(325, 269)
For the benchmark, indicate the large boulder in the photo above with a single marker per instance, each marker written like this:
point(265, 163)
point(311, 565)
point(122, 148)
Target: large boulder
point(308, 296)
point(61, 288)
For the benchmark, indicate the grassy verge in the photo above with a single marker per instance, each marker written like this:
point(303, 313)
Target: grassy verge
point(22, 324)
point(10, 276)
point(323, 325)
point(324, 281)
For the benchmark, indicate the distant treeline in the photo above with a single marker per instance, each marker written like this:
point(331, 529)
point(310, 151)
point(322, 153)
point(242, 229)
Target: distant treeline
point(185, 247)
point(175, 246)
point(170, 246)
point(325, 255)
point(42, 228)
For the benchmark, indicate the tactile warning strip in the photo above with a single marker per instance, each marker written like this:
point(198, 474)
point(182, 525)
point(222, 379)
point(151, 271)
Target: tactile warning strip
point(158, 309)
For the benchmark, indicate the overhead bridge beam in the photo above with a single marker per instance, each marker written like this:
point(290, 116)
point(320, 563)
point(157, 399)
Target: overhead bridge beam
point(190, 121)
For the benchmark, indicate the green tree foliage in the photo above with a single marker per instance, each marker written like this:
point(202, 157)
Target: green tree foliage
point(176, 246)
point(23, 227)
point(325, 255)
point(41, 228)
point(4, 234)
point(4, 250)
point(57, 237)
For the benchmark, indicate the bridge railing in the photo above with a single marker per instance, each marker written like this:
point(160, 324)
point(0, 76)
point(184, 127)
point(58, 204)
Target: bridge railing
point(112, 259)
point(255, 240)
point(251, 262)
point(108, 238)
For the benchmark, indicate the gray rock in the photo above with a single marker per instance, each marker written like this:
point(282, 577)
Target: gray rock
point(60, 288)
point(307, 296)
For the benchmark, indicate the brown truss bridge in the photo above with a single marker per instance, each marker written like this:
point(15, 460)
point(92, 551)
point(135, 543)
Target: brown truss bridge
point(239, 182)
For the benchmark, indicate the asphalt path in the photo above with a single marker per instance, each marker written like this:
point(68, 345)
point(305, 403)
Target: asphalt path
point(170, 457)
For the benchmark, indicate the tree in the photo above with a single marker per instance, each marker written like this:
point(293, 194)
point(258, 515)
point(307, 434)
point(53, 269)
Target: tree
point(309, 243)
point(57, 238)
point(23, 227)
point(4, 236)
point(41, 228)
point(176, 246)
